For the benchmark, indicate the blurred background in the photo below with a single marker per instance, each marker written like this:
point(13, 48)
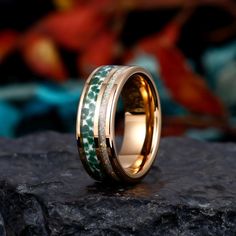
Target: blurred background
point(48, 48)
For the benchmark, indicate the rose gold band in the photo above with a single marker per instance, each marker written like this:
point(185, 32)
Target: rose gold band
point(96, 133)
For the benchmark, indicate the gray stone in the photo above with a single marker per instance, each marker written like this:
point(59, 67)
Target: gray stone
point(2, 226)
point(191, 190)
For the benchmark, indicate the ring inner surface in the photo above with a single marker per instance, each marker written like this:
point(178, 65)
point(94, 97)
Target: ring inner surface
point(139, 107)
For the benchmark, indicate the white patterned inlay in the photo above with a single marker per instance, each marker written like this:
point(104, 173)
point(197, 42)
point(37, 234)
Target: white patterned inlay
point(102, 117)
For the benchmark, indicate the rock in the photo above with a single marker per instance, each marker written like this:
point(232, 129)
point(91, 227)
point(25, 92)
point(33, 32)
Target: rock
point(191, 190)
point(2, 226)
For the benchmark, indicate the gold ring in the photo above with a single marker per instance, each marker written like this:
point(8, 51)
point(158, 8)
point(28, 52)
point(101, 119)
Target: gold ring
point(96, 132)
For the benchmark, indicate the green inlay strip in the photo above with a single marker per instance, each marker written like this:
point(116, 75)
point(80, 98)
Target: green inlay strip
point(87, 119)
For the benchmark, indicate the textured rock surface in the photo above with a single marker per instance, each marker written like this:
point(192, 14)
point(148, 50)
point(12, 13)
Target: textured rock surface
point(191, 190)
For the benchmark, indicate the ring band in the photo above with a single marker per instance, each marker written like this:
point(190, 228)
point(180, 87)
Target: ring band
point(98, 143)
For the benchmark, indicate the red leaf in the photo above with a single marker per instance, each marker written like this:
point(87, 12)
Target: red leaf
point(8, 41)
point(42, 56)
point(76, 28)
point(102, 52)
point(166, 38)
point(186, 87)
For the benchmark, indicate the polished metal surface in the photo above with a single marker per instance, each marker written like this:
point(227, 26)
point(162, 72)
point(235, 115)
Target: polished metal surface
point(142, 124)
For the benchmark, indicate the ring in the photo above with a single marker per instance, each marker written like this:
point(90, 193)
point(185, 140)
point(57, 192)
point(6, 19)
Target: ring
point(108, 151)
